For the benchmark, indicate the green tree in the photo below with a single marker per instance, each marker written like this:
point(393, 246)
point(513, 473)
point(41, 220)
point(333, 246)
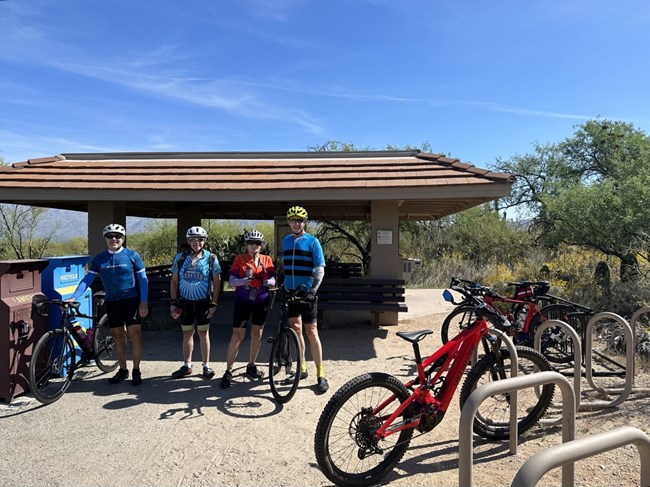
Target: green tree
point(350, 241)
point(589, 190)
point(481, 235)
point(18, 230)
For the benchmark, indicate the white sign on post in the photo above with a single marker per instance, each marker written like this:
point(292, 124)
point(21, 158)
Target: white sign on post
point(384, 237)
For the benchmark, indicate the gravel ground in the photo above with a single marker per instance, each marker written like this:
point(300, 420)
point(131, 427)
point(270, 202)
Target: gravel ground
point(189, 432)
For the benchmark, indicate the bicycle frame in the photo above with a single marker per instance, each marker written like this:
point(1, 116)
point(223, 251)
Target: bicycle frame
point(492, 298)
point(452, 358)
point(530, 313)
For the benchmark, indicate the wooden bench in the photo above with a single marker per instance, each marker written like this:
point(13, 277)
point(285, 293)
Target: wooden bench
point(343, 270)
point(159, 278)
point(375, 295)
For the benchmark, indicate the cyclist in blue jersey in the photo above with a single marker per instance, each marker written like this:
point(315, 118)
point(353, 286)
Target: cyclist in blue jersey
point(194, 291)
point(125, 284)
point(304, 264)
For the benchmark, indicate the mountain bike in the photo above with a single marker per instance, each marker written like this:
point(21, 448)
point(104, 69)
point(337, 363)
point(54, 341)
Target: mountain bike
point(55, 358)
point(286, 358)
point(367, 425)
point(525, 311)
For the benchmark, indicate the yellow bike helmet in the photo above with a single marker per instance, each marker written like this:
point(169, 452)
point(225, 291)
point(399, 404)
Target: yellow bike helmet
point(297, 212)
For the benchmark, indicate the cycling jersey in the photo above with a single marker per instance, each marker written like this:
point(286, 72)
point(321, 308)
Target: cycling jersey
point(118, 272)
point(194, 280)
point(264, 270)
point(299, 257)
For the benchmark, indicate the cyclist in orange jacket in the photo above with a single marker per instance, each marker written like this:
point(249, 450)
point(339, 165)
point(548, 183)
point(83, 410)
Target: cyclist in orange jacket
point(251, 274)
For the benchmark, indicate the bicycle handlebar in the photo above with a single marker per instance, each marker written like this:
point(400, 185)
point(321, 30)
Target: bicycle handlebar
point(72, 306)
point(472, 288)
point(528, 283)
point(296, 295)
point(477, 301)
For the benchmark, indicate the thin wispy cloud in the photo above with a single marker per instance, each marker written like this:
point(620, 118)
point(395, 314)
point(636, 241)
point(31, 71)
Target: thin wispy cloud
point(41, 145)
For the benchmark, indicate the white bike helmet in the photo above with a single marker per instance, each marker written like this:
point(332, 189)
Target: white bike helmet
point(254, 236)
point(114, 228)
point(196, 232)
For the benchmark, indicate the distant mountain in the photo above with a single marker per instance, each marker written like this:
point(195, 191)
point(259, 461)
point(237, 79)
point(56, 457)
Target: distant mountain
point(70, 224)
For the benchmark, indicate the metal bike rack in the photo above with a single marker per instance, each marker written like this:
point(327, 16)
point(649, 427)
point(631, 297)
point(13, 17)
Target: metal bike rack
point(577, 358)
point(465, 439)
point(588, 359)
point(566, 454)
point(639, 312)
point(629, 354)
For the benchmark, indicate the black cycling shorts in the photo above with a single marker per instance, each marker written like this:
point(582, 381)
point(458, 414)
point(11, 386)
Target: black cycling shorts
point(124, 311)
point(244, 309)
point(307, 311)
point(194, 311)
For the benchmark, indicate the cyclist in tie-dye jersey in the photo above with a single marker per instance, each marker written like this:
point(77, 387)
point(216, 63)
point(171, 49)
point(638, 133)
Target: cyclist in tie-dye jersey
point(194, 291)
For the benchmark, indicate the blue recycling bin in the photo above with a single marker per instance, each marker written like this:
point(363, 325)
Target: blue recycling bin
point(59, 280)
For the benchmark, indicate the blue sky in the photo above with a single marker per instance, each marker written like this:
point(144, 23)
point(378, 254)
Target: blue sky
point(477, 80)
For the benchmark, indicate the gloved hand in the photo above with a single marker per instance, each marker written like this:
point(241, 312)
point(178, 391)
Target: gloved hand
point(309, 297)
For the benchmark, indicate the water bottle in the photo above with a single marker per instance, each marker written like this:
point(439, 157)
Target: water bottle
point(177, 313)
point(83, 337)
point(252, 294)
point(521, 319)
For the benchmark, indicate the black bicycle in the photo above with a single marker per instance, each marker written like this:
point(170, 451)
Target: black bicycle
point(286, 358)
point(55, 358)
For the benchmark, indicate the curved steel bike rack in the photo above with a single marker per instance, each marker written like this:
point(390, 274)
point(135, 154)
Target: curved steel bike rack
point(566, 454)
point(629, 354)
point(577, 359)
point(465, 443)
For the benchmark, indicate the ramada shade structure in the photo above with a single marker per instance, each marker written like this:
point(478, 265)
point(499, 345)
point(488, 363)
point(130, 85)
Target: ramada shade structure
point(383, 187)
point(255, 185)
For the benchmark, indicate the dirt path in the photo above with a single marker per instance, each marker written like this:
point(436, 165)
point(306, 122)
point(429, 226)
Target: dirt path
point(189, 432)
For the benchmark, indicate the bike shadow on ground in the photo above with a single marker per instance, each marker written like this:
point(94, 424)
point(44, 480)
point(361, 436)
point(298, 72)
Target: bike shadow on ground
point(191, 396)
point(442, 456)
point(354, 342)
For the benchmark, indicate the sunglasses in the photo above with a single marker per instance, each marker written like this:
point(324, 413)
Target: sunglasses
point(296, 220)
point(112, 236)
point(253, 242)
point(196, 239)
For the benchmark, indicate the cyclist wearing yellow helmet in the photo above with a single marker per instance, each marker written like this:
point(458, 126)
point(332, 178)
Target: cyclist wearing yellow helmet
point(304, 264)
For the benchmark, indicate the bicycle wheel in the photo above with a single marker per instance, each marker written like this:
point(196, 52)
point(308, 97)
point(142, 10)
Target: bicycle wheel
point(346, 450)
point(492, 419)
point(52, 366)
point(284, 366)
point(104, 346)
point(555, 344)
point(458, 320)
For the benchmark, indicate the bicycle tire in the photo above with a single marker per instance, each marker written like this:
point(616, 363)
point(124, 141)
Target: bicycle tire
point(104, 346)
point(284, 365)
point(52, 366)
point(458, 320)
point(492, 420)
point(555, 344)
point(343, 438)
